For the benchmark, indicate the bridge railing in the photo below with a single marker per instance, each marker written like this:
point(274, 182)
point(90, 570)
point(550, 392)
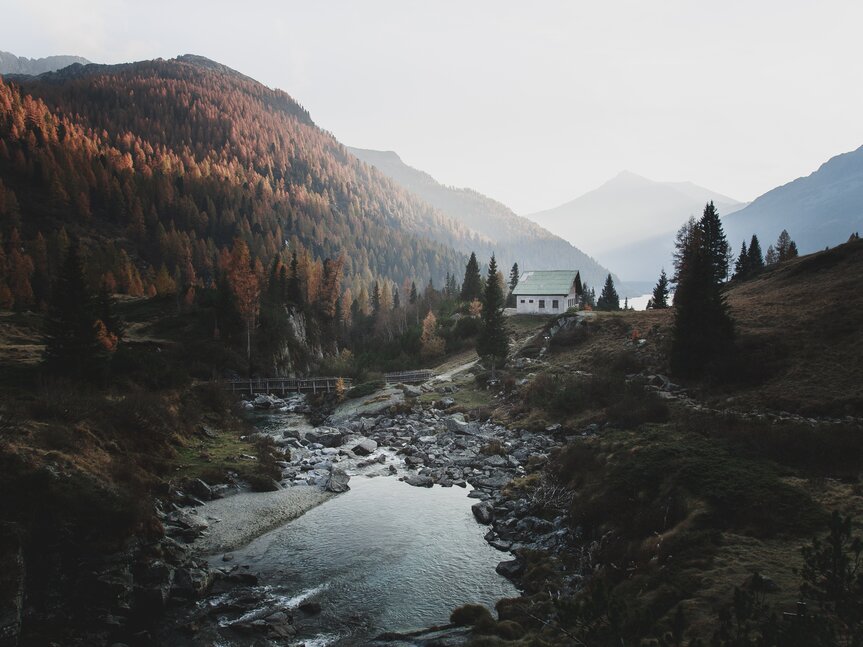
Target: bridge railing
point(408, 377)
point(285, 385)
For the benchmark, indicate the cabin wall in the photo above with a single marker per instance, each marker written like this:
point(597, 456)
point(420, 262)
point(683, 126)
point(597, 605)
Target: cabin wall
point(530, 304)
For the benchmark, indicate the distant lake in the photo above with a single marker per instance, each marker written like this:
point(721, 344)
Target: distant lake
point(640, 302)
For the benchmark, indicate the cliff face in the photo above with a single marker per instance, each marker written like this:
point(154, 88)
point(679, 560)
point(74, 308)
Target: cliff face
point(301, 350)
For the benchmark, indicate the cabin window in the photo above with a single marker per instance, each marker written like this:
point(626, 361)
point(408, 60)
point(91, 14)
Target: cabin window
point(531, 301)
point(542, 303)
point(555, 304)
point(522, 300)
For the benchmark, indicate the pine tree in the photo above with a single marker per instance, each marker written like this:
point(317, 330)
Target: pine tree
point(783, 243)
point(513, 282)
point(471, 287)
point(715, 243)
point(295, 292)
point(742, 264)
point(493, 340)
point(72, 345)
point(608, 298)
point(376, 299)
point(770, 257)
point(412, 298)
point(702, 324)
point(660, 292)
point(754, 257)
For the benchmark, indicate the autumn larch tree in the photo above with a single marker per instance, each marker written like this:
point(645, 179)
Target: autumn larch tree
point(493, 340)
point(608, 298)
point(246, 288)
point(471, 287)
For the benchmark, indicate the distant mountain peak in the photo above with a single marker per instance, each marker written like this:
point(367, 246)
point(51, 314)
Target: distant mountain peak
point(12, 64)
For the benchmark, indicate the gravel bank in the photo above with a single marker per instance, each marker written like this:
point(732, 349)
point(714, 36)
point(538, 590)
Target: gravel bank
point(236, 520)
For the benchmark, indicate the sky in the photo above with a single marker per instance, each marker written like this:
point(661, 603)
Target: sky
point(532, 103)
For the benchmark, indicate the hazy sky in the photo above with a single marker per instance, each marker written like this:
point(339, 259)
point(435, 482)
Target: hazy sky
point(532, 103)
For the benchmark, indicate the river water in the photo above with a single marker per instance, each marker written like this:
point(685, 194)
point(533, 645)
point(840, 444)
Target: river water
point(384, 556)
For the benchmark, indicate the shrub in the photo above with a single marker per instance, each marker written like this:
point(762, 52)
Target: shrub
point(470, 614)
point(364, 389)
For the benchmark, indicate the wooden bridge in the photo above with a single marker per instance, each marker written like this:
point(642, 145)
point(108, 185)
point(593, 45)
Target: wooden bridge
point(285, 385)
point(409, 377)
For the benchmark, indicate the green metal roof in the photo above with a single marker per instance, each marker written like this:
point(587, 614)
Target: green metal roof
point(545, 282)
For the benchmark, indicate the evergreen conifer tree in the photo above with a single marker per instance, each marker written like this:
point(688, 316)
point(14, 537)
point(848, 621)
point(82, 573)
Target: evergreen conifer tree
point(608, 298)
point(513, 281)
point(471, 287)
point(72, 346)
point(702, 325)
point(412, 298)
point(754, 257)
point(376, 298)
point(660, 292)
point(742, 264)
point(714, 241)
point(295, 292)
point(493, 340)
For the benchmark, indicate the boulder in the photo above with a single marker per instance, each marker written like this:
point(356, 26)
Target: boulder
point(483, 511)
point(192, 582)
point(338, 481)
point(310, 607)
point(510, 569)
point(420, 481)
point(326, 436)
point(411, 391)
point(199, 489)
point(365, 447)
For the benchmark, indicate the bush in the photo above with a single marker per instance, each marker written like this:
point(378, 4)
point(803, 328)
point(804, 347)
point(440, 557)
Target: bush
point(364, 389)
point(470, 615)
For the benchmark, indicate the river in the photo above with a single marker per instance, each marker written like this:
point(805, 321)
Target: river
point(382, 557)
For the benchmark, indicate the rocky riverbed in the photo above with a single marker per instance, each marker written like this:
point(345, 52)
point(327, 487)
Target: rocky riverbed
point(423, 446)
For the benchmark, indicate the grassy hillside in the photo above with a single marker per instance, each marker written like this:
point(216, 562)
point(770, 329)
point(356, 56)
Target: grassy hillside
point(678, 494)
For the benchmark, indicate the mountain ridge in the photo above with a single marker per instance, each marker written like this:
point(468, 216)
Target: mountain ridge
point(512, 237)
point(12, 64)
point(819, 210)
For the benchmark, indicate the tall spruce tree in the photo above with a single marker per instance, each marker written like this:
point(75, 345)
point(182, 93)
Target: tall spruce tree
point(715, 243)
point(471, 287)
point(741, 265)
point(72, 346)
point(703, 327)
point(754, 257)
point(660, 292)
point(295, 291)
point(608, 298)
point(412, 297)
point(493, 340)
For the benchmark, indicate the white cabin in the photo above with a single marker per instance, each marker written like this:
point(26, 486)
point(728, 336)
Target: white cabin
point(548, 292)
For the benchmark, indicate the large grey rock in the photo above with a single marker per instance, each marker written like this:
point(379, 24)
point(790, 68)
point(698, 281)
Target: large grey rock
point(483, 511)
point(420, 481)
point(326, 436)
point(457, 425)
point(338, 481)
point(411, 391)
point(365, 447)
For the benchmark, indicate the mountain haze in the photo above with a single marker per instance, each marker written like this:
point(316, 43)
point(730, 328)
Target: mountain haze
point(11, 64)
point(511, 237)
point(819, 210)
point(629, 209)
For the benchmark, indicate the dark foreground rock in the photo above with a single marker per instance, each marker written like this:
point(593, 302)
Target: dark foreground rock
point(11, 583)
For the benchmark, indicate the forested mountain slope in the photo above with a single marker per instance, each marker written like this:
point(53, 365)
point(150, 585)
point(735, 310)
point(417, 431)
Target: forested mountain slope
point(162, 164)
